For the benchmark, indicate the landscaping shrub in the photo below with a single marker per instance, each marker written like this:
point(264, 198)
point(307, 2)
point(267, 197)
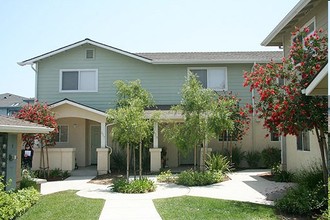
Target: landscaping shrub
point(27, 180)
point(143, 185)
point(237, 156)
point(271, 156)
point(281, 175)
point(308, 197)
point(15, 203)
point(217, 162)
point(253, 158)
point(166, 177)
point(118, 161)
point(196, 178)
point(54, 174)
point(302, 200)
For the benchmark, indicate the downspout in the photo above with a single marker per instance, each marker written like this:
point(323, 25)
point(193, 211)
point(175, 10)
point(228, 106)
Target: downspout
point(35, 79)
point(253, 113)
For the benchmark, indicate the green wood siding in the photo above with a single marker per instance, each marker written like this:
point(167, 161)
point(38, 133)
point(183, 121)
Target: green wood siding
point(163, 81)
point(320, 12)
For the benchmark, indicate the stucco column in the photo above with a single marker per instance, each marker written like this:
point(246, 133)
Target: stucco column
point(103, 135)
point(102, 160)
point(155, 143)
point(155, 152)
point(155, 159)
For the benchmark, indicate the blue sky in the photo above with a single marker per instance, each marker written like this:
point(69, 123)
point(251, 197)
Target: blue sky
point(30, 28)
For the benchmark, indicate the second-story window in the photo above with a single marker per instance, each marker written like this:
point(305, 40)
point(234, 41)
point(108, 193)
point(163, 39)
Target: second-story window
point(212, 77)
point(79, 80)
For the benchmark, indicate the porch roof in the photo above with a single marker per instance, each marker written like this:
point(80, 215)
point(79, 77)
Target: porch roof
point(67, 108)
point(15, 125)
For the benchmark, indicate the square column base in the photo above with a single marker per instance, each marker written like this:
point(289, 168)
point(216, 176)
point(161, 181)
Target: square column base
point(102, 160)
point(155, 159)
point(201, 162)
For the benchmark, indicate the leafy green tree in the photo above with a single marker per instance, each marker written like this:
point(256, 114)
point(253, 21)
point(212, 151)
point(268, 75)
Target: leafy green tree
point(204, 117)
point(130, 123)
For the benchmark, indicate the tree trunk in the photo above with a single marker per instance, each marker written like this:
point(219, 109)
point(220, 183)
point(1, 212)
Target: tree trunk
point(204, 155)
point(140, 160)
point(323, 149)
point(127, 162)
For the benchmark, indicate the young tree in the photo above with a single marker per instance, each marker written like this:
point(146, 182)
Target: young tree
point(40, 114)
point(285, 109)
point(204, 117)
point(130, 123)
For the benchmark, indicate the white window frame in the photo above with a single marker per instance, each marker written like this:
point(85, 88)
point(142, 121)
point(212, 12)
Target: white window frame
point(79, 72)
point(313, 20)
point(212, 68)
point(304, 146)
point(93, 54)
point(59, 134)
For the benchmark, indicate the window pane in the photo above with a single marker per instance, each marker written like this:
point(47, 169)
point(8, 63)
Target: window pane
point(88, 80)
point(305, 141)
point(216, 79)
point(202, 76)
point(70, 80)
point(299, 142)
point(64, 133)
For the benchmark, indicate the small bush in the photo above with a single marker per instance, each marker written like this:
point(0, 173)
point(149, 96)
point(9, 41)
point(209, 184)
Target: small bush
point(281, 175)
point(143, 185)
point(271, 156)
point(118, 161)
point(237, 156)
point(195, 178)
point(302, 201)
point(253, 158)
point(14, 204)
point(217, 163)
point(166, 177)
point(309, 197)
point(54, 174)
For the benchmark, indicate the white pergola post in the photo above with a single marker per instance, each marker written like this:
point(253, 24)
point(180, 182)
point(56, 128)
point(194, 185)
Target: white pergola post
point(155, 152)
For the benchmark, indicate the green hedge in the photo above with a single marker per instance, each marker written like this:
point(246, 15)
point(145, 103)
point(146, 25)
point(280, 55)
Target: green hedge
point(15, 203)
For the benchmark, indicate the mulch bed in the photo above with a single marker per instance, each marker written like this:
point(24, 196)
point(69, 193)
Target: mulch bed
point(106, 179)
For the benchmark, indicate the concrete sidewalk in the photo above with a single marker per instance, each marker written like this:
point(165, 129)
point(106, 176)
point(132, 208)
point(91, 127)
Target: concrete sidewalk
point(243, 186)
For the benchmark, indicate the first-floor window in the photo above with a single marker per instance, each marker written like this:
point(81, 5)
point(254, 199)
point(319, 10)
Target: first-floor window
point(212, 77)
point(78, 80)
point(303, 141)
point(63, 133)
point(274, 136)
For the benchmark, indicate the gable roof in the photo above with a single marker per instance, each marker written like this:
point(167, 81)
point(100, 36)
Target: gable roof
point(79, 43)
point(78, 105)
point(8, 100)
point(173, 58)
point(289, 21)
point(15, 125)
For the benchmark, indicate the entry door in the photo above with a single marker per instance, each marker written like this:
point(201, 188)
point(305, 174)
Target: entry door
point(95, 142)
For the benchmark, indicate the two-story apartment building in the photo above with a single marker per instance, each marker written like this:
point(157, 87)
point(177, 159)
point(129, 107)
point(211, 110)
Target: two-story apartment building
point(303, 150)
point(77, 81)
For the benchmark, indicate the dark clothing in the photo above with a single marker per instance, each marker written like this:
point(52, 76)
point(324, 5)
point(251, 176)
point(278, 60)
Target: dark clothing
point(27, 156)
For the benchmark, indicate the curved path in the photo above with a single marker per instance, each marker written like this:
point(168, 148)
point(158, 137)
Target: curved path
point(243, 186)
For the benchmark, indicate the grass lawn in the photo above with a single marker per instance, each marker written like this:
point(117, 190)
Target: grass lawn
point(189, 207)
point(65, 205)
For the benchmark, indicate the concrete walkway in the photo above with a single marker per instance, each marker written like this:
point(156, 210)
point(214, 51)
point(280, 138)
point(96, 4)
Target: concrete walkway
point(243, 186)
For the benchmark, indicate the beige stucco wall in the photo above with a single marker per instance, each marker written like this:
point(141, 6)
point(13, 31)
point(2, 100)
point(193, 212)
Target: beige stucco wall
point(298, 159)
point(59, 158)
point(76, 138)
point(255, 139)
